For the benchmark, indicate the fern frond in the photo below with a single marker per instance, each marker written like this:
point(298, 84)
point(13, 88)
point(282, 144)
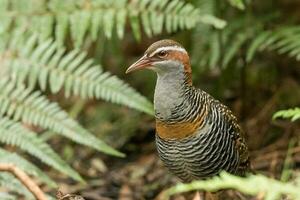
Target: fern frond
point(26, 166)
point(252, 185)
point(47, 64)
point(31, 107)
point(210, 19)
point(212, 48)
point(293, 114)
point(284, 40)
point(108, 16)
point(221, 47)
point(15, 134)
point(237, 3)
point(256, 44)
point(204, 45)
point(233, 48)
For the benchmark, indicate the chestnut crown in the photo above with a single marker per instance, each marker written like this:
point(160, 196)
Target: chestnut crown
point(164, 56)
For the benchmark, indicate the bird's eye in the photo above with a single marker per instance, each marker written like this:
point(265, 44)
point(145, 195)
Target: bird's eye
point(162, 53)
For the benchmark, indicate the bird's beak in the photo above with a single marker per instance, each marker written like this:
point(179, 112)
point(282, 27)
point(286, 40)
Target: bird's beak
point(142, 63)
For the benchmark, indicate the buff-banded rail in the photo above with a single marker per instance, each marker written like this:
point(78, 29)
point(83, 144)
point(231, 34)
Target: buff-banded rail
point(197, 137)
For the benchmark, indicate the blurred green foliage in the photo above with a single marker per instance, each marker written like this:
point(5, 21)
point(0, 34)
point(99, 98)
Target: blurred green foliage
point(59, 58)
point(253, 185)
point(292, 113)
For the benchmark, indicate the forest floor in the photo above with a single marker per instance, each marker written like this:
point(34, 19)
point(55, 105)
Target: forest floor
point(142, 175)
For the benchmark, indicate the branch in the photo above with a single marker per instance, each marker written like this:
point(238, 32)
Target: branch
point(25, 179)
point(62, 196)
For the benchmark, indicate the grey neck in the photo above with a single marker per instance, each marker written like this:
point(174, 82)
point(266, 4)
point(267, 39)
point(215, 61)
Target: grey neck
point(169, 94)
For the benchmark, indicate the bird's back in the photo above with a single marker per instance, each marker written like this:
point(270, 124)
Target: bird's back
point(216, 144)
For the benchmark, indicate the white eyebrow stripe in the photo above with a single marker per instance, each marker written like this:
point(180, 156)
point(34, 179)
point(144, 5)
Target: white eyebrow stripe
point(174, 48)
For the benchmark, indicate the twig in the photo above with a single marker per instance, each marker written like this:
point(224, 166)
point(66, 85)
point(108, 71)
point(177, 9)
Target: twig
point(61, 196)
point(25, 179)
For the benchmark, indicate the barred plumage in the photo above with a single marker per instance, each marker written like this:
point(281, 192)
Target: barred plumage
point(212, 148)
point(196, 135)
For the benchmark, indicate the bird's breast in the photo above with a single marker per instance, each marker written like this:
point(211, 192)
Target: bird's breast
point(177, 130)
point(199, 156)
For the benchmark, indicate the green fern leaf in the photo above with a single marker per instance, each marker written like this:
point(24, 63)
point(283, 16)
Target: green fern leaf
point(233, 49)
point(209, 19)
point(146, 23)
point(292, 113)
point(29, 168)
point(15, 134)
point(78, 31)
point(47, 64)
point(61, 28)
point(135, 26)
point(215, 50)
point(238, 4)
point(282, 40)
point(108, 23)
point(121, 22)
point(251, 185)
point(33, 108)
point(107, 16)
point(255, 45)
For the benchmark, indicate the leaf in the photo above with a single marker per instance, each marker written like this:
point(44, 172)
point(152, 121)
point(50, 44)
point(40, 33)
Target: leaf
point(81, 19)
point(27, 167)
point(216, 22)
point(238, 4)
point(292, 113)
point(13, 133)
point(255, 45)
point(282, 40)
point(33, 108)
point(49, 65)
point(251, 185)
point(233, 49)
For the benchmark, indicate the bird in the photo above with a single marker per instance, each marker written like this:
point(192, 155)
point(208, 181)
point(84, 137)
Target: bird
point(197, 136)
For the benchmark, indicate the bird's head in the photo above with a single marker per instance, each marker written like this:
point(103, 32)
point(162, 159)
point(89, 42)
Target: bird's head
point(164, 56)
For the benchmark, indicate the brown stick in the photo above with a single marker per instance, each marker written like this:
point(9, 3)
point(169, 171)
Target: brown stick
point(25, 179)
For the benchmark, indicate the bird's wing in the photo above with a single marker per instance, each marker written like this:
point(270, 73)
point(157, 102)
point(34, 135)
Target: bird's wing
point(235, 130)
